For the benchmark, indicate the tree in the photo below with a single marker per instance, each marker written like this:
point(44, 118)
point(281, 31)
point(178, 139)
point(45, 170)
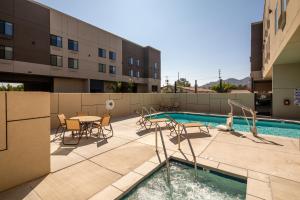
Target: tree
point(182, 82)
point(226, 87)
point(9, 87)
point(117, 86)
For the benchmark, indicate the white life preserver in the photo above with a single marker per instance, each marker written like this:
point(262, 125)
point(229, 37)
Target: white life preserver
point(109, 104)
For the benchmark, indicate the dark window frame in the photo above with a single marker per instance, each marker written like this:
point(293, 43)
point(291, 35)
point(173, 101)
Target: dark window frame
point(102, 66)
point(101, 53)
point(112, 55)
point(56, 60)
point(3, 51)
point(73, 45)
point(55, 42)
point(114, 69)
point(3, 27)
point(72, 62)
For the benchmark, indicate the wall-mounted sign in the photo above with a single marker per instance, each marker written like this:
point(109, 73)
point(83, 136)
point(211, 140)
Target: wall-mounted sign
point(297, 97)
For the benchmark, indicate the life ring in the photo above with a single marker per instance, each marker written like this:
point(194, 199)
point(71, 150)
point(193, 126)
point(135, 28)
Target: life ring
point(109, 104)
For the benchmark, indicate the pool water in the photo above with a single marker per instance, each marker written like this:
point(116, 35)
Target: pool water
point(185, 184)
point(268, 127)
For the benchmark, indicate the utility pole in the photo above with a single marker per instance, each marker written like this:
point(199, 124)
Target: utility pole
point(167, 81)
point(196, 87)
point(178, 77)
point(220, 80)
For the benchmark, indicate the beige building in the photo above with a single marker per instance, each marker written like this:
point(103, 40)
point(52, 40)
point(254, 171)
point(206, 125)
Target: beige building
point(281, 55)
point(47, 50)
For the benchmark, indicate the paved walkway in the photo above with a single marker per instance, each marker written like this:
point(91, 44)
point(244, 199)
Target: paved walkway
point(97, 168)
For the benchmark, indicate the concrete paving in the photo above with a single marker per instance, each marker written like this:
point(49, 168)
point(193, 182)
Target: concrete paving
point(105, 168)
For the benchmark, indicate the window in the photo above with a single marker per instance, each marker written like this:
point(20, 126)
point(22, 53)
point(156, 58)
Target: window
point(138, 74)
point(56, 41)
point(112, 69)
point(56, 60)
point(102, 68)
point(130, 61)
point(276, 17)
point(112, 55)
point(138, 62)
point(155, 75)
point(155, 66)
point(6, 53)
point(73, 63)
point(130, 73)
point(72, 45)
point(102, 53)
point(6, 28)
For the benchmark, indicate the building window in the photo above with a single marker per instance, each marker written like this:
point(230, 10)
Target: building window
point(6, 28)
point(155, 66)
point(56, 41)
point(138, 62)
point(102, 53)
point(72, 45)
point(56, 60)
point(112, 55)
point(112, 69)
point(6, 53)
point(155, 75)
point(102, 68)
point(73, 63)
point(130, 60)
point(130, 73)
point(276, 17)
point(138, 74)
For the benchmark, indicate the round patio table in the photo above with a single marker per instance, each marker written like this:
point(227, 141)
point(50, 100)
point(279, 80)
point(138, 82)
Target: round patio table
point(87, 121)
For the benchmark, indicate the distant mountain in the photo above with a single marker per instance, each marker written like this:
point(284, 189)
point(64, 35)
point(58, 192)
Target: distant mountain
point(244, 81)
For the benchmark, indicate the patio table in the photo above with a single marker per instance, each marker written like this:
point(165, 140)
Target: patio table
point(87, 120)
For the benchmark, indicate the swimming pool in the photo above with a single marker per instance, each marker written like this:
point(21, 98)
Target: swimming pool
point(268, 127)
point(184, 184)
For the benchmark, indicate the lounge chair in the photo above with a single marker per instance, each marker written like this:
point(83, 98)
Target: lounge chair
point(74, 126)
point(62, 123)
point(177, 128)
point(104, 125)
point(147, 122)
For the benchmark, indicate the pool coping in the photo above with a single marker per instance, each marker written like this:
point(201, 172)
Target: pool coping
point(243, 132)
point(223, 115)
point(125, 184)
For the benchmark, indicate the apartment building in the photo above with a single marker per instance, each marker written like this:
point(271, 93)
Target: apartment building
point(47, 50)
point(275, 58)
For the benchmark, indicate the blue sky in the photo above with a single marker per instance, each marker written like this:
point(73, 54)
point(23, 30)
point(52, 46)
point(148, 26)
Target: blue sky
point(196, 37)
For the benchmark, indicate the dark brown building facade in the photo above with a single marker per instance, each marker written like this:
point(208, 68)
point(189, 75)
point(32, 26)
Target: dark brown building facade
point(79, 58)
point(31, 30)
point(140, 62)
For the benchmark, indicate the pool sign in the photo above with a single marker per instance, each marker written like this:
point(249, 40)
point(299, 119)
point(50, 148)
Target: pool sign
point(297, 97)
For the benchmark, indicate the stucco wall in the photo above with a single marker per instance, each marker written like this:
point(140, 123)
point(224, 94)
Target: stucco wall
point(70, 85)
point(286, 80)
point(126, 104)
point(25, 152)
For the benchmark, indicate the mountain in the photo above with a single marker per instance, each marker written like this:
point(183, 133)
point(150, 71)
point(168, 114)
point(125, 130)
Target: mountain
point(244, 81)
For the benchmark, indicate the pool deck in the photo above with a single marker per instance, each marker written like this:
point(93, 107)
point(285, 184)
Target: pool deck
point(104, 169)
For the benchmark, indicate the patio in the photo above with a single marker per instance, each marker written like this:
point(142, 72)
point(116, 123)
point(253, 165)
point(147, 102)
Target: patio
point(104, 169)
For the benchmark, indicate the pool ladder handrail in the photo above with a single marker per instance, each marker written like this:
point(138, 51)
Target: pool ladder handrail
point(191, 147)
point(164, 148)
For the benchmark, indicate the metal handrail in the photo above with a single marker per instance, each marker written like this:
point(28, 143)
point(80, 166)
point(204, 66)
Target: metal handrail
point(191, 147)
point(152, 110)
point(164, 148)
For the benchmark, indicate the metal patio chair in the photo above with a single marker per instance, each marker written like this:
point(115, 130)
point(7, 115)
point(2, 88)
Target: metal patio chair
point(75, 127)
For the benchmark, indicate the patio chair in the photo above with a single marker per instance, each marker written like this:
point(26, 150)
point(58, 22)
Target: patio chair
point(62, 123)
point(147, 122)
point(104, 125)
point(74, 126)
point(177, 128)
point(175, 106)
